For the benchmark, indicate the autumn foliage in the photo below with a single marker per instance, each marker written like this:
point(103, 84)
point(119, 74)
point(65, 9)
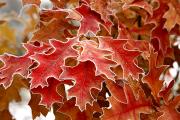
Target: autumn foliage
point(113, 55)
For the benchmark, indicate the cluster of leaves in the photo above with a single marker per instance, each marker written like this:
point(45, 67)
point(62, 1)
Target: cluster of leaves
point(110, 52)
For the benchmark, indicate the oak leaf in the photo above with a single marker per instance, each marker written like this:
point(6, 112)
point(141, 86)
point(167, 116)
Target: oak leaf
point(172, 17)
point(54, 24)
point(98, 57)
point(5, 115)
point(49, 94)
point(170, 110)
point(36, 108)
point(18, 64)
point(152, 77)
point(85, 79)
point(153, 116)
point(141, 4)
point(50, 64)
point(90, 20)
point(65, 3)
point(69, 108)
point(102, 7)
point(166, 91)
point(122, 56)
point(131, 110)
point(116, 90)
point(12, 93)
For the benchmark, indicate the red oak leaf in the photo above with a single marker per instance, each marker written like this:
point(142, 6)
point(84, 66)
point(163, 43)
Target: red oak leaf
point(172, 17)
point(90, 20)
point(49, 93)
point(96, 55)
point(170, 111)
point(107, 56)
point(84, 75)
point(159, 12)
point(116, 90)
point(137, 87)
point(50, 64)
point(141, 4)
point(163, 37)
point(131, 110)
point(122, 56)
point(165, 93)
point(141, 45)
point(161, 34)
point(124, 33)
point(145, 29)
point(161, 56)
point(102, 7)
point(69, 108)
point(152, 78)
point(15, 64)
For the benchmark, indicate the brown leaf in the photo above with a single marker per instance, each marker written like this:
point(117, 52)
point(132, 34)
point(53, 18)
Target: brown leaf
point(36, 108)
point(172, 17)
point(152, 77)
point(37, 2)
point(153, 116)
point(5, 115)
point(65, 3)
point(69, 108)
point(12, 93)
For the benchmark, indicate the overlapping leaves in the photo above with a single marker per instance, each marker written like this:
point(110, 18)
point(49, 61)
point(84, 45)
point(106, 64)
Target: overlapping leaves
point(110, 53)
